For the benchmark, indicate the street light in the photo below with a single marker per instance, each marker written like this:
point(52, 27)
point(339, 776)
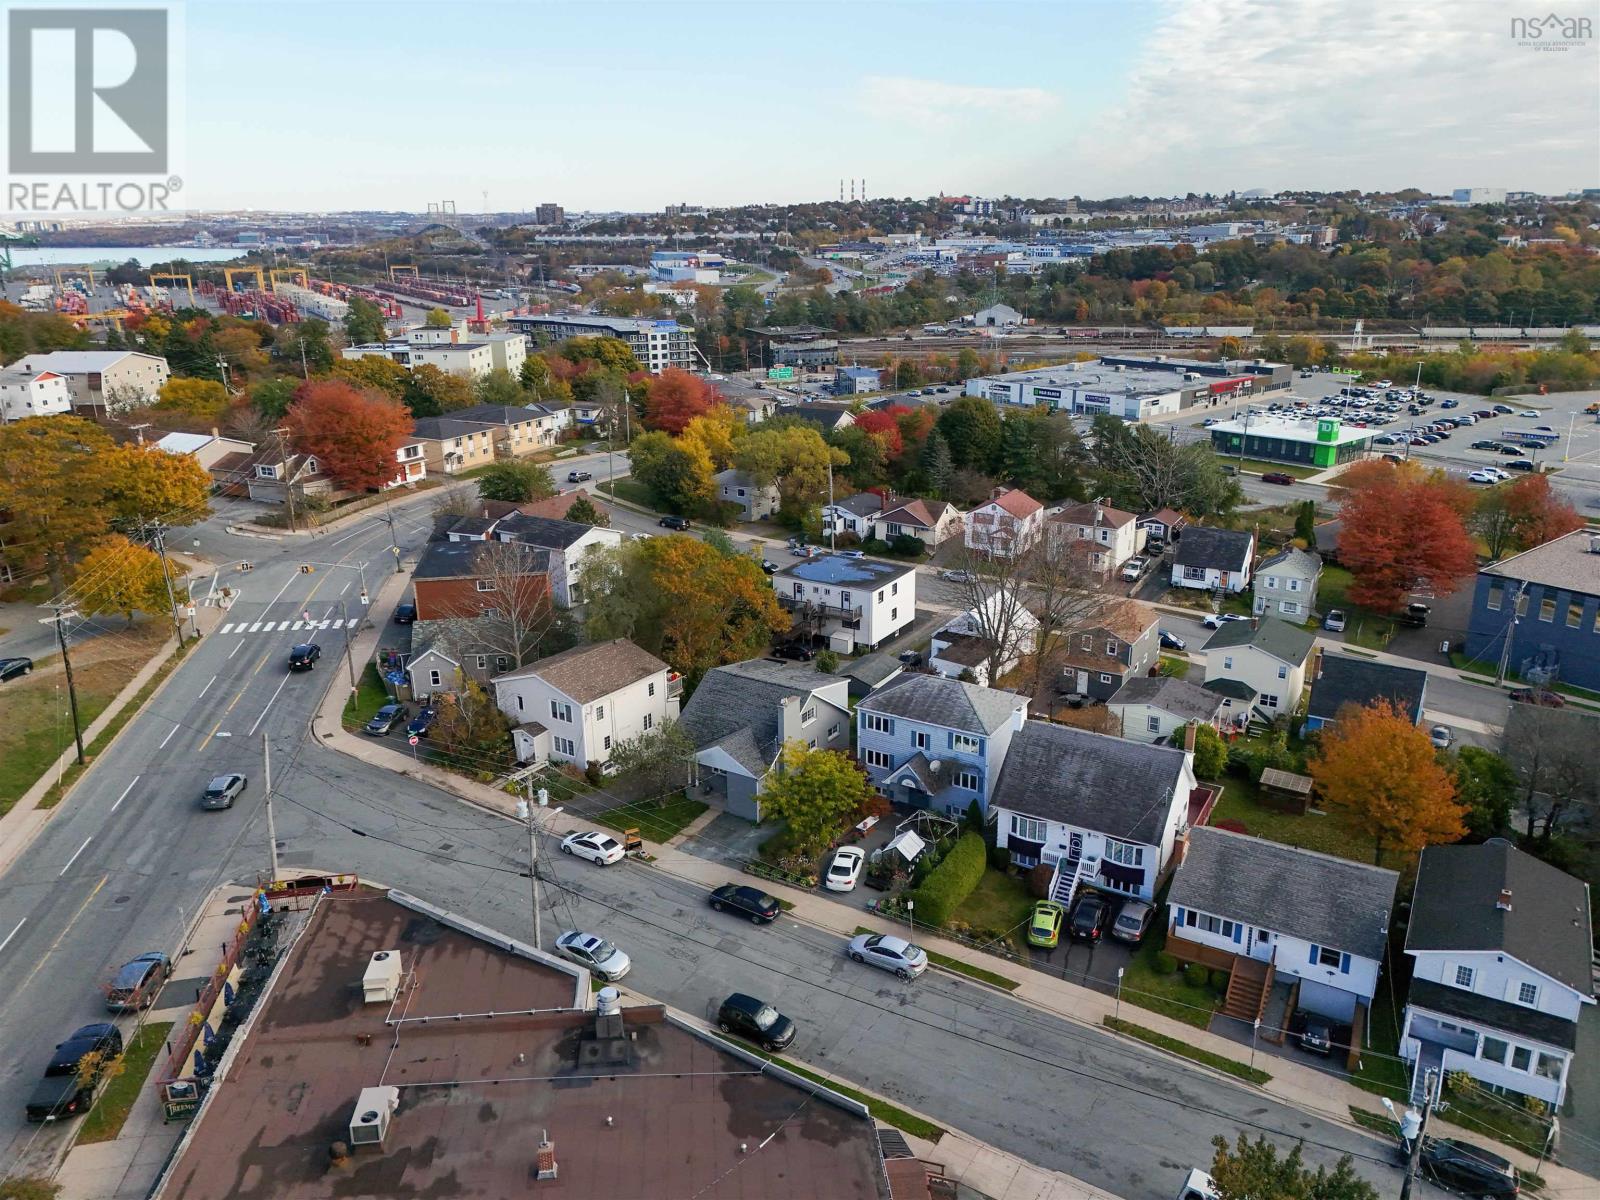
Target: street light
point(1119, 993)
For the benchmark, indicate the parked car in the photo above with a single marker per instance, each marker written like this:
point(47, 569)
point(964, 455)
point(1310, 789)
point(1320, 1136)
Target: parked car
point(595, 953)
point(1197, 1185)
point(222, 791)
point(844, 872)
point(405, 614)
point(794, 651)
point(888, 953)
point(136, 983)
point(1044, 927)
point(1276, 477)
point(1088, 921)
point(1133, 569)
point(1155, 547)
point(1485, 444)
point(769, 567)
point(1415, 615)
point(1441, 737)
point(304, 656)
point(1133, 921)
point(1467, 1169)
point(1510, 451)
point(385, 719)
point(756, 1020)
point(1529, 413)
point(579, 476)
point(1218, 620)
point(63, 1092)
point(671, 521)
point(1523, 464)
point(1539, 697)
point(911, 658)
point(597, 847)
point(1504, 410)
point(15, 668)
point(1486, 477)
point(1313, 1033)
point(422, 722)
point(761, 908)
point(957, 576)
point(1171, 641)
point(1334, 621)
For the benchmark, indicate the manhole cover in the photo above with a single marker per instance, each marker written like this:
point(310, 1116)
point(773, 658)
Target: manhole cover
point(122, 899)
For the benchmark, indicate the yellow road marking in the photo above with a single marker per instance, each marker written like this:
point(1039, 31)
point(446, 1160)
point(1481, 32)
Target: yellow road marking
point(55, 945)
point(235, 700)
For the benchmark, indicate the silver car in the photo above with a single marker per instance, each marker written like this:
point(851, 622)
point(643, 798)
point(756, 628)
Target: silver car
point(595, 953)
point(890, 953)
point(222, 791)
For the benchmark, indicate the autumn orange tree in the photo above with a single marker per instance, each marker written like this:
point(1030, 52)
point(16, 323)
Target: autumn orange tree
point(353, 433)
point(1403, 529)
point(1377, 773)
point(675, 398)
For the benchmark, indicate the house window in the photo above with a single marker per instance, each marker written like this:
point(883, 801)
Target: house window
point(651, 689)
point(1283, 672)
point(599, 712)
point(1104, 678)
point(1496, 594)
point(1124, 854)
point(649, 721)
point(1290, 608)
point(1527, 993)
point(1088, 641)
point(875, 723)
point(1574, 614)
point(1327, 957)
point(501, 662)
point(894, 614)
point(1547, 608)
point(833, 732)
point(1027, 828)
point(919, 739)
point(966, 781)
point(1194, 573)
point(1231, 930)
point(1549, 1067)
point(894, 588)
point(964, 743)
point(877, 758)
point(563, 745)
point(1227, 663)
point(607, 741)
point(1521, 1058)
point(519, 703)
point(1111, 646)
point(1494, 1050)
point(482, 661)
point(1294, 585)
point(1268, 701)
point(485, 585)
point(1464, 978)
point(433, 679)
point(808, 715)
point(1153, 724)
point(561, 712)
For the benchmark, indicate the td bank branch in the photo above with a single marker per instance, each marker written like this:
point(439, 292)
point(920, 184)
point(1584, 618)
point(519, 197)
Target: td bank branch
point(1313, 442)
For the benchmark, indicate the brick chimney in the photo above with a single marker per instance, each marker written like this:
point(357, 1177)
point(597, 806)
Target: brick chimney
point(1189, 732)
point(545, 1160)
point(1504, 902)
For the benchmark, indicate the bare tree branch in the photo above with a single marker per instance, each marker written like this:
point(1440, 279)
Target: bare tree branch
point(510, 612)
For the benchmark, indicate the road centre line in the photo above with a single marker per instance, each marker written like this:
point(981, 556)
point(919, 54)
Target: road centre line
point(13, 933)
point(133, 781)
point(213, 679)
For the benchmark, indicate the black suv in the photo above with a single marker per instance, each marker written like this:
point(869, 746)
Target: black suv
point(674, 522)
point(1088, 920)
point(752, 902)
point(62, 1093)
point(405, 614)
point(756, 1020)
point(304, 657)
point(1468, 1169)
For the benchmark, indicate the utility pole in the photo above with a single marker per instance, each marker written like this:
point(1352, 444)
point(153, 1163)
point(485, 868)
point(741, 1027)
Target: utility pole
point(394, 544)
point(160, 543)
point(528, 811)
point(272, 829)
point(832, 521)
point(349, 662)
point(288, 473)
point(1413, 1128)
point(62, 612)
point(1511, 629)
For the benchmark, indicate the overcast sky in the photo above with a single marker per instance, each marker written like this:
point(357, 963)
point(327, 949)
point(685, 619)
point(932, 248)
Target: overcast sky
point(339, 104)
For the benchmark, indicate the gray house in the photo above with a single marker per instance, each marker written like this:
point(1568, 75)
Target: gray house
point(756, 503)
point(1286, 584)
point(1154, 707)
point(742, 715)
point(1341, 679)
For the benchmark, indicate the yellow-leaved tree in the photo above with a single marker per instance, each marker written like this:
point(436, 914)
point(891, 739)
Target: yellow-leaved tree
point(119, 576)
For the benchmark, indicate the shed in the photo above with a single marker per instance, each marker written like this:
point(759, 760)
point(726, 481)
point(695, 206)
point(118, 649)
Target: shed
point(1285, 791)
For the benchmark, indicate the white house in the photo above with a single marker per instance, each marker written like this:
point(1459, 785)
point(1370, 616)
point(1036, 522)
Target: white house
point(32, 394)
point(1213, 559)
point(103, 381)
point(1098, 809)
point(851, 602)
point(755, 503)
point(1109, 536)
point(965, 642)
point(1265, 655)
point(1501, 945)
point(568, 542)
point(1152, 708)
point(852, 514)
point(931, 522)
point(577, 705)
point(1320, 919)
point(1009, 524)
point(1286, 584)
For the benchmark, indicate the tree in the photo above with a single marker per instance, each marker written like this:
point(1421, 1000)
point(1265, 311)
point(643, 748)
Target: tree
point(515, 481)
point(354, 434)
point(1254, 1171)
point(304, 343)
point(816, 792)
point(1403, 531)
point(1065, 597)
point(1377, 773)
point(795, 458)
point(608, 352)
point(149, 484)
point(995, 596)
point(678, 473)
point(583, 512)
point(676, 397)
point(431, 392)
point(272, 397)
point(509, 612)
point(54, 490)
point(1305, 523)
point(499, 387)
point(1210, 751)
point(376, 372)
point(1551, 752)
point(119, 576)
point(470, 729)
point(438, 318)
point(971, 428)
point(1143, 470)
point(364, 322)
point(938, 466)
point(657, 760)
point(1537, 514)
point(198, 401)
point(1487, 785)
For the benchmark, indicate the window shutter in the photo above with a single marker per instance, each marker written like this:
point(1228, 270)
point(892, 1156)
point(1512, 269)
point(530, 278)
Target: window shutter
point(1344, 964)
point(1315, 950)
point(1177, 916)
point(1238, 932)
point(949, 741)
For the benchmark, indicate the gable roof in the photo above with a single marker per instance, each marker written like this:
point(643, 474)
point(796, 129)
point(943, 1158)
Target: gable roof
point(828, 418)
point(926, 513)
point(1217, 549)
point(948, 703)
point(437, 429)
point(1094, 515)
point(550, 532)
point(1016, 502)
point(1233, 689)
point(1165, 516)
point(1318, 898)
point(1456, 907)
point(594, 671)
point(736, 708)
point(1344, 679)
point(1185, 700)
point(1292, 558)
point(1285, 642)
point(1091, 780)
point(493, 414)
point(862, 504)
point(556, 507)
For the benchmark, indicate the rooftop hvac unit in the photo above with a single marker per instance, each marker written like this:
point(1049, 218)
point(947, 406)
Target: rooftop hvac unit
point(381, 983)
point(1594, 543)
point(370, 1121)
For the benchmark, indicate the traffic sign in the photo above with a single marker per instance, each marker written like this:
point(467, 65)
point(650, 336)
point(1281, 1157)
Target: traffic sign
point(413, 739)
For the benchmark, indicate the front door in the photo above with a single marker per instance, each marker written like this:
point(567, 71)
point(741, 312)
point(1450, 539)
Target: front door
point(1083, 683)
point(1075, 845)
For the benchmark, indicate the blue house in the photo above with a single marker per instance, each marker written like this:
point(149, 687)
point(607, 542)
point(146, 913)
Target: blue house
point(937, 743)
point(1546, 601)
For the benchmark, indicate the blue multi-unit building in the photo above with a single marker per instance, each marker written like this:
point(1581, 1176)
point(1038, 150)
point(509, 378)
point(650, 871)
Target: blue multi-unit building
point(937, 743)
point(1546, 601)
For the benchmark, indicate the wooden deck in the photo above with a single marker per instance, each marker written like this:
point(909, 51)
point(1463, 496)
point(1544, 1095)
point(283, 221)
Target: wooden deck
point(1184, 950)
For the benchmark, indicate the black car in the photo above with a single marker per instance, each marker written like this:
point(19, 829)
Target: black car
point(911, 658)
point(304, 657)
point(579, 476)
point(1088, 920)
point(795, 651)
point(63, 1092)
point(14, 668)
point(136, 983)
point(422, 722)
point(756, 1020)
point(1415, 615)
point(1484, 445)
point(1314, 1033)
point(769, 567)
point(222, 791)
point(405, 614)
point(674, 522)
point(1522, 464)
point(752, 902)
point(1468, 1169)
point(385, 719)
point(1171, 641)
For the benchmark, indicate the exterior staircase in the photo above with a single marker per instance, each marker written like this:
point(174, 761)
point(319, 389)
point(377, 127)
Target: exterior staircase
point(1065, 882)
point(1249, 985)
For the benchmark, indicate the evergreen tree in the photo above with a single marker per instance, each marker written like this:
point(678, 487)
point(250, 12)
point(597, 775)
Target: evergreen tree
point(937, 463)
point(583, 512)
point(1305, 523)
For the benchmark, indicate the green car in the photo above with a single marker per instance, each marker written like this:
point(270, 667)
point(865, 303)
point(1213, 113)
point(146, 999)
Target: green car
point(1045, 927)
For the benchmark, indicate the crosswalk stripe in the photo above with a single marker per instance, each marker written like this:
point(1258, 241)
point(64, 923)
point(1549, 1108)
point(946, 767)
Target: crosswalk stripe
point(226, 628)
point(255, 627)
point(297, 624)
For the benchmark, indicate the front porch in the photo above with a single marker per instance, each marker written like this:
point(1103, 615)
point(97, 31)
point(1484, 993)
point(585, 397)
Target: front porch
point(1250, 980)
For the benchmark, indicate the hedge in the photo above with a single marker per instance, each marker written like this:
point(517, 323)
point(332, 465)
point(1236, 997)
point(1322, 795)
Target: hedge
point(952, 881)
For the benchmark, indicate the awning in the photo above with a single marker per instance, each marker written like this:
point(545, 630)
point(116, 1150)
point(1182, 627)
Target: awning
point(1128, 877)
point(907, 844)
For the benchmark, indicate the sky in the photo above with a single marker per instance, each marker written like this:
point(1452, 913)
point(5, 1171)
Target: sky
point(340, 105)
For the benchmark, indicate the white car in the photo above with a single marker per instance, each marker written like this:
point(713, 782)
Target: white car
point(1441, 736)
point(1527, 412)
point(844, 872)
point(1218, 620)
point(595, 953)
point(597, 847)
point(957, 576)
point(1484, 477)
point(888, 952)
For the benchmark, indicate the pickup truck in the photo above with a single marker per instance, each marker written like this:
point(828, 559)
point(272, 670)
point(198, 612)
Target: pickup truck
point(64, 1091)
point(1133, 569)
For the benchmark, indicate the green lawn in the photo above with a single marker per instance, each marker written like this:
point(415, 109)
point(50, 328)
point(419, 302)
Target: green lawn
point(1239, 802)
point(999, 904)
point(371, 695)
point(631, 490)
point(1382, 1072)
point(1168, 995)
point(655, 822)
point(1183, 1050)
point(1363, 627)
point(1496, 1117)
point(106, 1118)
point(1177, 668)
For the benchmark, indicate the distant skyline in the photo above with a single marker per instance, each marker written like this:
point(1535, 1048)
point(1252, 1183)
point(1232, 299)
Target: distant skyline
point(355, 105)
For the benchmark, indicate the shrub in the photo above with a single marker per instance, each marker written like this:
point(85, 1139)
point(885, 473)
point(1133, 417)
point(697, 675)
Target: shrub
point(906, 546)
point(1219, 979)
point(1195, 975)
point(592, 773)
point(999, 859)
point(875, 546)
point(975, 820)
point(952, 881)
point(827, 661)
point(1210, 752)
point(1039, 878)
point(1164, 963)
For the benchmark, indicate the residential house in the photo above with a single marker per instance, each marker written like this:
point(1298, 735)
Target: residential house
point(1215, 560)
point(1555, 590)
point(274, 476)
point(1110, 536)
point(26, 394)
point(743, 714)
point(458, 579)
point(1343, 679)
point(432, 668)
point(1164, 523)
point(1152, 708)
point(207, 449)
point(1263, 911)
point(102, 381)
point(1096, 659)
point(754, 406)
point(551, 422)
point(577, 706)
point(931, 522)
point(755, 503)
point(828, 418)
point(1097, 809)
point(1009, 524)
point(1328, 540)
point(1501, 947)
point(452, 446)
point(514, 430)
point(870, 672)
point(937, 743)
point(852, 514)
point(568, 542)
point(966, 642)
point(1266, 656)
point(849, 602)
point(1286, 584)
